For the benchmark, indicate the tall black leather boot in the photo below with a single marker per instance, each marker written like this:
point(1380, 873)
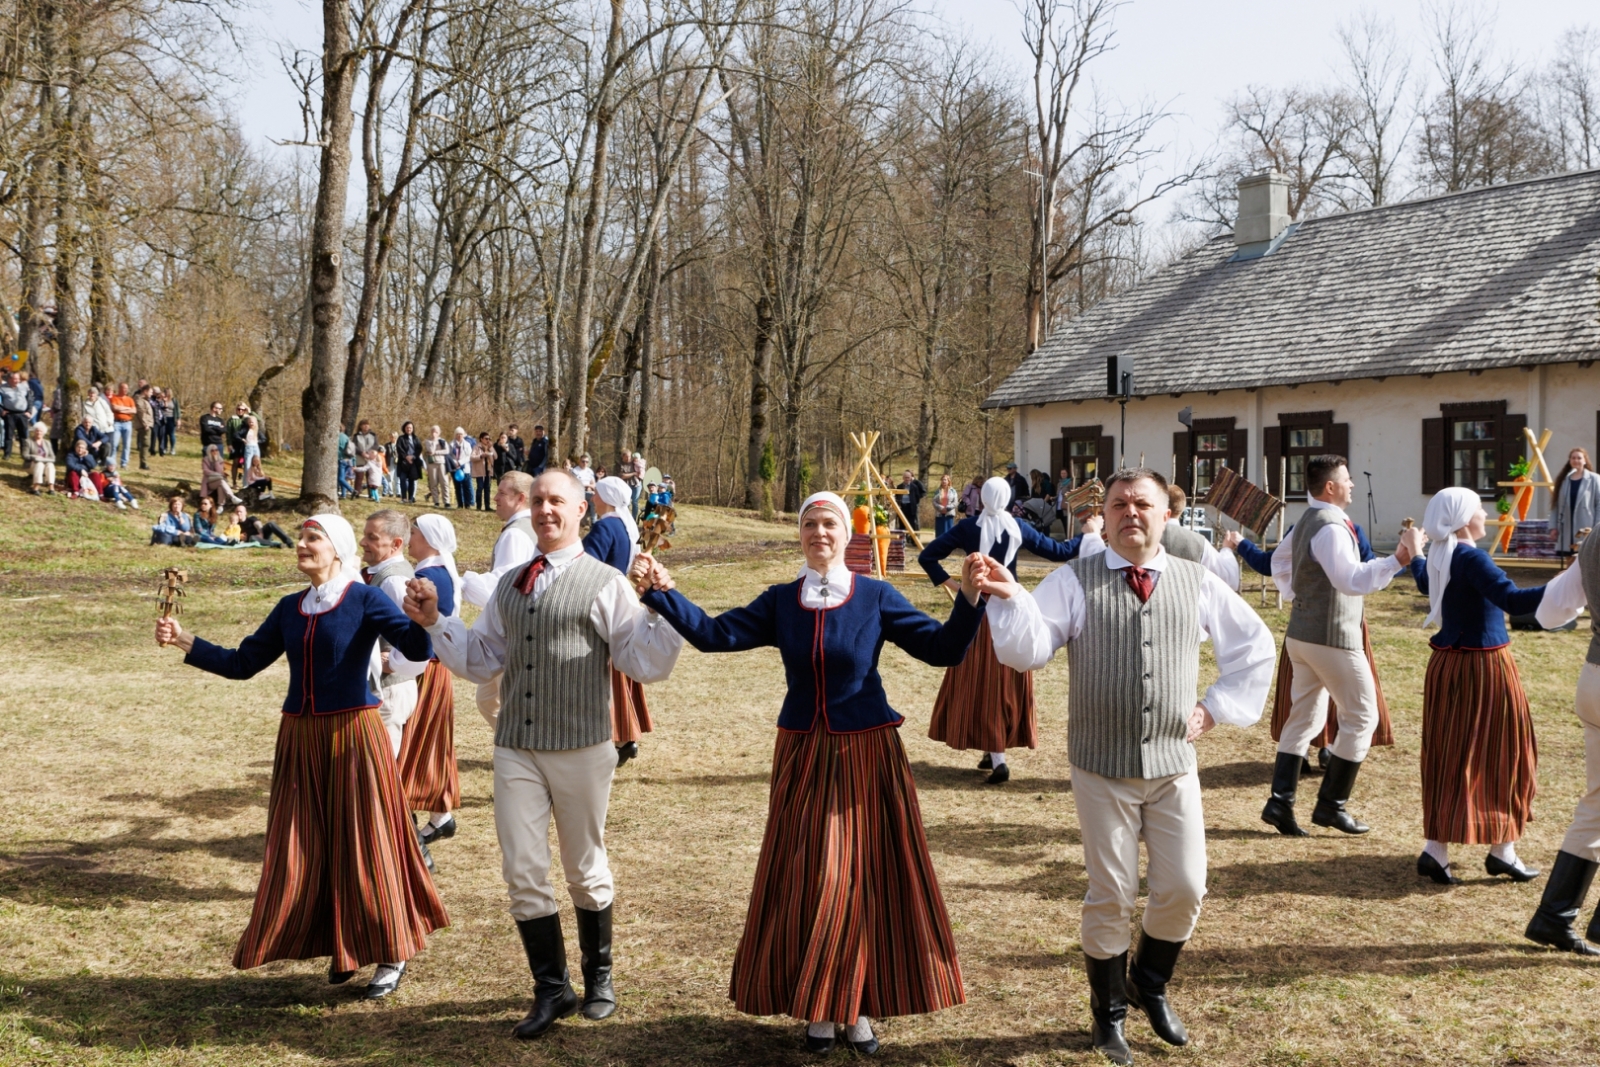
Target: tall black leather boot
point(1569, 881)
point(1279, 812)
point(594, 946)
point(553, 997)
point(1147, 986)
point(1108, 1003)
point(1337, 782)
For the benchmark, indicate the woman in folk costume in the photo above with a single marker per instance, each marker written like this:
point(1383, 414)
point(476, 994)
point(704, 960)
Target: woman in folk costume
point(428, 771)
point(1479, 759)
point(846, 921)
point(343, 874)
point(982, 703)
point(614, 539)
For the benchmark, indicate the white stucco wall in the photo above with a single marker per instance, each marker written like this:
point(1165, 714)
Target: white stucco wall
point(1385, 420)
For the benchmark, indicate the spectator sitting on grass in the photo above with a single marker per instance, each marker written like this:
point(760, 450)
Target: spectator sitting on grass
point(248, 530)
point(40, 455)
point(83, 472)
point(214, 477)
point(256, 480)
point(90, 435)
point(205, 525)
point(114, 491)
point(174, 527)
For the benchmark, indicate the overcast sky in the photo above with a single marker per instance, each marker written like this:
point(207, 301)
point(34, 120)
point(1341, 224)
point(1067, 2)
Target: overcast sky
point(1186, 54)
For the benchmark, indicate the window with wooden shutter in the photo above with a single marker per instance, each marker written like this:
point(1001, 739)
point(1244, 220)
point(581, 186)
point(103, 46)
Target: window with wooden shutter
point(1211, 445)
point(1513, 447)
point(1299, 436)
point(1085, 452)
point(1272, 444)
point(1109, 460)
point(1480, 442)
point(1182, 458)
point(1433, 455)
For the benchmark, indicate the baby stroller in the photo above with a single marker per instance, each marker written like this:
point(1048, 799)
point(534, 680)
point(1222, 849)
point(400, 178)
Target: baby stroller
point(1040, 513)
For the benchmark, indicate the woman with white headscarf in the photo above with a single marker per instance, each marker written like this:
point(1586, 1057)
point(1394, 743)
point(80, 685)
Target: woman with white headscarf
point(846, 921)
point(614, 539)
point(984, 704)
point(1478, 753)
point(428, 771)
point(343, 874)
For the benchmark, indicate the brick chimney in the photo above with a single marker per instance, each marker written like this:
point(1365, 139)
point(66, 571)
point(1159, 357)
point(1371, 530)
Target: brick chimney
point(1263, 208)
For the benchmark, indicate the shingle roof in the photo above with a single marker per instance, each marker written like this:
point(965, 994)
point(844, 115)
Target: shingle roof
point(1503, 276)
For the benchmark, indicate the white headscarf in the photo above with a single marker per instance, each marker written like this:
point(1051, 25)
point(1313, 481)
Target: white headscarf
point(441, 537)
point(619, 495)
point(826, 499)
point(1448, 511)
point(996, 520)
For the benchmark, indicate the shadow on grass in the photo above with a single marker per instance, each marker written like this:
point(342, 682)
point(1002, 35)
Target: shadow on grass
point(1352, 877)
point(1279, 963)
point(67, 882)
point(1236, 775)
point(710, 781)
point(302, 1013)
point(970, 779)
point(998, 842)
point(218, 803)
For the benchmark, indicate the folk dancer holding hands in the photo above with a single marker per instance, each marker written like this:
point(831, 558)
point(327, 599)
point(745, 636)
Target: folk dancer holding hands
point(614, 539)
point(550, 635)
point(846, 922)
point(1131, 619)
point(343, 876)
point(428, 770)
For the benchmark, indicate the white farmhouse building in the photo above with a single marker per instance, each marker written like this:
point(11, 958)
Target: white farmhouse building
point(1417, 339)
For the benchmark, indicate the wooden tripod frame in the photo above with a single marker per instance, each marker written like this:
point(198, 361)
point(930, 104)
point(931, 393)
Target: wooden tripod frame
point(866, 480)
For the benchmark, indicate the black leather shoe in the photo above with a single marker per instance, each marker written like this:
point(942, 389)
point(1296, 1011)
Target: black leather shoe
point(422, 843)
point(1324, 757)
point(553, 997)
point(1108, 1005)
point(339, 977)
point(594, 947)
point(999, 776)
point(1337, 782)
point(1569, 881)
point(986, 763)
point(431, 833)
point(1279, 812)
point(626, 752)
point(1517, 871)
point(820, 1045)
point(1306, 769)
point(1147, 987)
point(377, 990)
point(1428, 867)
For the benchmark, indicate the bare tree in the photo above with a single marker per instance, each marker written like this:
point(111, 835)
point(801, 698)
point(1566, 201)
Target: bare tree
point(1376, 79)
point(1572, 87)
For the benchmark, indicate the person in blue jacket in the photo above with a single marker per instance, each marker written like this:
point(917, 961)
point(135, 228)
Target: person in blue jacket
point(982, 703)
point(343, 874)
point(614, 539)
point(428, 770)
point(846, 920)
point(1479, 759)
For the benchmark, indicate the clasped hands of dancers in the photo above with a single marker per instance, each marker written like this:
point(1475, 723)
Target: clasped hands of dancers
point(846, 920)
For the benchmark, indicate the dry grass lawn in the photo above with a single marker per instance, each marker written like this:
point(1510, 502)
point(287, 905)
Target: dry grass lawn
point(134, 792)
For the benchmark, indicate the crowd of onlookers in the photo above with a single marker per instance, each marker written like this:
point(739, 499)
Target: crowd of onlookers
point(91, 449)
point(952, 503)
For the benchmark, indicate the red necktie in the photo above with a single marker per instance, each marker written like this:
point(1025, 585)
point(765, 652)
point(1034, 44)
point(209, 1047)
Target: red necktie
point(366, 575)
point(1141, 581)
point(531, 575)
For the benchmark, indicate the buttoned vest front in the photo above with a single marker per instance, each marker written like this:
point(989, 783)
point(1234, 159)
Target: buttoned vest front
point(1134, 672)
point(555, 693)
point(1321, 615)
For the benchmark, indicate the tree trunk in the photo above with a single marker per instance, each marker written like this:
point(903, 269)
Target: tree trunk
point(321, 403)
point(68, 327)
point(34, 268)
point(647, 352)
point(760, 368)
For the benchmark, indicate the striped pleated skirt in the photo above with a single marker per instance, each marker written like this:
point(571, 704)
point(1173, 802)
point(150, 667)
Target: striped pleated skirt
point(1382, 735)
point(984, 704)
point(845, 918)
point(343, 875)
point(428, 769)
point(630, 717)
point(1479, 757)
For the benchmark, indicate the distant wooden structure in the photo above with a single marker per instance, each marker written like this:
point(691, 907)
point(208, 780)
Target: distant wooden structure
point(868, 481)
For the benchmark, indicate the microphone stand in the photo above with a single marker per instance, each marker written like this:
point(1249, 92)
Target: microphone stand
point(1372, 509)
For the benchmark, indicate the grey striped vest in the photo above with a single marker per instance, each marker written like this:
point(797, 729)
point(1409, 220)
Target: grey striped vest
point(1134, 672)
point(555, 693)
point(389, 568)
point(1321, 615)
point(1183, 543)
point(1589, 560)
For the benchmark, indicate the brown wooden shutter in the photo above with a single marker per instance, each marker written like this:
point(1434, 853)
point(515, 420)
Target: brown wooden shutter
point(1339, 441)
point(1272, 440)
point(1239, 452)
point(1182, 448)
point(1105, 457)
point(1512, 445)
point(1435, 458)
point(1058, 457)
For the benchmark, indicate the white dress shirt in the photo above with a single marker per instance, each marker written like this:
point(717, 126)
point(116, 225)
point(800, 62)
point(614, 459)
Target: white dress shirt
point(512, 549)
point(643, 646)
point(1563, 597)
point(1335, 549)
point(1224, 565)
point(1029, 628)
point(400, 668)
point(820, 592)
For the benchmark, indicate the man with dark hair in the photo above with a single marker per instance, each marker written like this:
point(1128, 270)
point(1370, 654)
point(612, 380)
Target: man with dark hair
point(911, 501)
point(213, 430)
point(1131, 619)
point(517, 449)
point(538, 453)
point(1020, 489)
point(1326, 650)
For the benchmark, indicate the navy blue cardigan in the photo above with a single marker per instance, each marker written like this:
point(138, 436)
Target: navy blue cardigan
point(830, 658)
point(964, 537)
point(332, 649)
point(608, 542)
point(1473, 613)
point(1260, 560)
point(440, 577)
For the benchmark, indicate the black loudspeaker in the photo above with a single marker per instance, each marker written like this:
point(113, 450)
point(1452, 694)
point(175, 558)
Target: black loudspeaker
point(1119, 375)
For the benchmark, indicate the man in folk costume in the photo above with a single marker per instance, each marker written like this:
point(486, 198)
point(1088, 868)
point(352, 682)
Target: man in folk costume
point(1131, 619)
point(614, 538)
point(515, 547)
point(1327, 650)
point(551, 634)
point(1186, 544)
point(1573, 871)
point(428, 770)
point(384, 565)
